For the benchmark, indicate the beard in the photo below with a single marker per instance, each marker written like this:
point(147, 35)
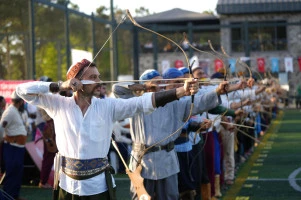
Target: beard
point(21, 108)
point(86, 91)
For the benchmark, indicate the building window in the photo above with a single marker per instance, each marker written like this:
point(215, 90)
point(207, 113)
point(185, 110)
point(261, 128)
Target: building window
point(262, 36)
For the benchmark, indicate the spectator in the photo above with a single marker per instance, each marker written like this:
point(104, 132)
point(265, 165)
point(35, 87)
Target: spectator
point(14, 146)
point(46, 127)
point(100, 90)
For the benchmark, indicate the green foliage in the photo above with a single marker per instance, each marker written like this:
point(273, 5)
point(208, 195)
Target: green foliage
point(50, 38)
point(100, 12)
point(13, 19)
point(124, 55)
point(47, 64)
point(208, 12)
point(142, 11)
point(103, 65)
point(16, 70)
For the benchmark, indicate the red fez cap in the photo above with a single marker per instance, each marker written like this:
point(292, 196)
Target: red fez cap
point(74, 69)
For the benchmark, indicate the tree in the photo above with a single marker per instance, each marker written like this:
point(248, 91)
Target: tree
point(12, 51)
point(100, 12)
point(140, 12)
point(50, 37)
point(210, 12)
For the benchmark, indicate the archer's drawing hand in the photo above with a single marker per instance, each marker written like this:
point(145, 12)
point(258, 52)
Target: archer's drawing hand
point(191, 86)
point(222, 88)
point(206, 124)
point(74, 84)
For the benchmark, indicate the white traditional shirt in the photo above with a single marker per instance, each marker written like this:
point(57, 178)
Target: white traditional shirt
point(81, 136)
point(15, 124)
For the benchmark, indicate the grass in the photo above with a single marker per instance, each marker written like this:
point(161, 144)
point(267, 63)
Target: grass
point(269, 181)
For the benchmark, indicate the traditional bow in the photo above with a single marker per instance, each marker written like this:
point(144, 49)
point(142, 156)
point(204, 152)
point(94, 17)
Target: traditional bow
point(188, 64)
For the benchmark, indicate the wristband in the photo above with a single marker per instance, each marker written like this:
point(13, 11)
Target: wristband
point(162, 98)
point(54, 87)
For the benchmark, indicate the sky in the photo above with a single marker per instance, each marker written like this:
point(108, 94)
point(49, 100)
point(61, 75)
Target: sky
point(154, 6)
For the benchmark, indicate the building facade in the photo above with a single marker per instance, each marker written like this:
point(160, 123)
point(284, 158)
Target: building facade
point(263, 33)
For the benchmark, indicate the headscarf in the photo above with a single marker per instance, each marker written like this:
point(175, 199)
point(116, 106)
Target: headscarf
point(148, 75)
point(217, 75)
point(74, 69)
point(172, 73)
point(184, 70)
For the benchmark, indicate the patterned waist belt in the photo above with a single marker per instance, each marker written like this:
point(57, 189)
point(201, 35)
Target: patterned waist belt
point(84, 169)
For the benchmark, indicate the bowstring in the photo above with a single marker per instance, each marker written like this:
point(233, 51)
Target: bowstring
point(108, 39)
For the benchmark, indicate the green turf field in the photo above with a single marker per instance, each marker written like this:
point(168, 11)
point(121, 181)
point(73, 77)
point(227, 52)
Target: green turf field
point(273, 172)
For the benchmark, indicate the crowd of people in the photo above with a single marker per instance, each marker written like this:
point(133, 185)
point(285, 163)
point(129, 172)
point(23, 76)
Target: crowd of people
point(185, 137)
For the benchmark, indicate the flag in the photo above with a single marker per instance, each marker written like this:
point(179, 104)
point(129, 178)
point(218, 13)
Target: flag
point(232, 63)
point(261, 64)
point(179, 64)
point(274, 65)
point(288, 63)
point(218, 64)
point(245, 59)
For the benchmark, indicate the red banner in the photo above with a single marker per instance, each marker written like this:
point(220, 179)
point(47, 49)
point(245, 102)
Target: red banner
point(299, 61)
point(7, 88)
point(261, 64)
point(218, 64)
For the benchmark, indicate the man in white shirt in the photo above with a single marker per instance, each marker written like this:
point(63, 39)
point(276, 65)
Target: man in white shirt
point(83, 126)
point(14, 146)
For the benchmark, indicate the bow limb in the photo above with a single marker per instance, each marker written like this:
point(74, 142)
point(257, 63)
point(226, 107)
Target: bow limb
point(134, 176)
point(239, 62)
point(186, 58)
point(224, 66)
point(188, 64)
point(248, 68)
point(154, 32)
point(194, 48)
point(137, 181)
